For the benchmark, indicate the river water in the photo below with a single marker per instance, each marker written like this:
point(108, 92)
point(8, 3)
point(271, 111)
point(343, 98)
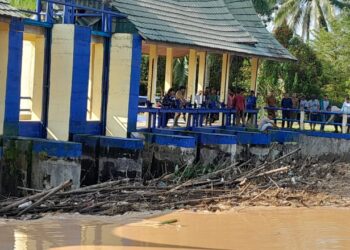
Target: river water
point(256, 228)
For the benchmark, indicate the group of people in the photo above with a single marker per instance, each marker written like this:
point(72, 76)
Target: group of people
point(210, 99)
point(314, 107)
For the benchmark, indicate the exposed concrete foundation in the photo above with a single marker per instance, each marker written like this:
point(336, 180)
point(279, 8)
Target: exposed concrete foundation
point(165, 153)
point(323, 148)
point(54, 163)
point(38, 164)
point(109, 158)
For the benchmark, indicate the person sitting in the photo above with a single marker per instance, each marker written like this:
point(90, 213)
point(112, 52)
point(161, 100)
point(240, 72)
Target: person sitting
point(286, 103)
point(266, 123)
point(169, 102)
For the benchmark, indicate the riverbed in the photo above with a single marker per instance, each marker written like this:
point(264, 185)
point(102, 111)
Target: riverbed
point(241, 228)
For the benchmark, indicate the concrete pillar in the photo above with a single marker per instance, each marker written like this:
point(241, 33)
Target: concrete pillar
point(124, 77)
point(70, 63)
point(152, 73)
point(192, 75)
point(225, 77)
point(12, 43)
point(302, 119)
point(345, 124)
point(255, 68)
point(4, 46)
point(169, 69)
point(201, 70)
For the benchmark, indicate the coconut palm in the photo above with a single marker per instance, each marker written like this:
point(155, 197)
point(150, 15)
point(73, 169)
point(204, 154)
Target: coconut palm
point(308, 15)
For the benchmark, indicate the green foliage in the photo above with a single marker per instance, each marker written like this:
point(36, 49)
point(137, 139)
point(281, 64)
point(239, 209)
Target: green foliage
point(24, 4)
point(264, 7)
point(304, 76)
point(333, 50)
point(308, 15)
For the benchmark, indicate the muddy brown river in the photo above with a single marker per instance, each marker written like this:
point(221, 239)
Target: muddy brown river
point(257, 228)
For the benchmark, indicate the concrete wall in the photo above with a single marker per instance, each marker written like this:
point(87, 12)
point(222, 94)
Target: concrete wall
point(323, 148)
point(4, 39)
point(61, 81)
point(124, 82)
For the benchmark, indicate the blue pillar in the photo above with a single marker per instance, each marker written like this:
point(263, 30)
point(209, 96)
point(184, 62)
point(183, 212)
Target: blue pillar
point(135, 83)
point(13, 83)
point(68, 16)
point(80, 84)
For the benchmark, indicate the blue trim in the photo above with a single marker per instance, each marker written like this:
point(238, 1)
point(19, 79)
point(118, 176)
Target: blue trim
point(80, 80)
point(13, 83)
point(1, 153)
point(37, 23)
point(177, 141)
point(121, 143)
point(135, 78)
point(284, 136)
point(57, 148)
point(217, 139)
point(31, 129)
point(87, 139)
point(100, 33)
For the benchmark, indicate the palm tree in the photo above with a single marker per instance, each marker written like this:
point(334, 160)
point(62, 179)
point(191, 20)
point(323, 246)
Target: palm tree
point(24, 4)
point(307, 15)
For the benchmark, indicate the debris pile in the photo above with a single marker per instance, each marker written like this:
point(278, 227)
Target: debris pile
point(286, 181)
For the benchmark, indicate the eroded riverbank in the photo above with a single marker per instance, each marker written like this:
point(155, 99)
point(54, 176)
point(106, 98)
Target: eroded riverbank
point(240, 228)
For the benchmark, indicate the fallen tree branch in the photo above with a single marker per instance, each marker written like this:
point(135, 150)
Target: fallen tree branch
point(48, 195)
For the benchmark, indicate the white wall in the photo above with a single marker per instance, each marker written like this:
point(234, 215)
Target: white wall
point(119, 85)
point(61, 81)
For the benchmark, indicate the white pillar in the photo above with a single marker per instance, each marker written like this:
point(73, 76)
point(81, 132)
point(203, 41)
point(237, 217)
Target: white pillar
point(169, 69)
point(201, 70)
point(61, 82)
point(192, 75)
point(255, 68)
point(302, 119)
point(152, 73)
point(345, 124)
point(225, 77)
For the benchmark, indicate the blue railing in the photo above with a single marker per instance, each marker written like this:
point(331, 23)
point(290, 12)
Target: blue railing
point(305, 117)
point(157, 117)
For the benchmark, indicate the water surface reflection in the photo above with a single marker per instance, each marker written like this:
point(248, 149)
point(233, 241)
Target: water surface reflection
point(272, 228)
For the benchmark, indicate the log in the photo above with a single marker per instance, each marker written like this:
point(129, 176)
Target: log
point(24, 200)
point(48, 195)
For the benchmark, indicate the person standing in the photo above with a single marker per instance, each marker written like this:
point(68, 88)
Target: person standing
point(251, 105)
point(325, 106)
point(314, 107)
point(346, 110)
point(169, 102)
point(286, 103)
point(180, 103)
point(294, 114)
point(271, 102)
point(239, 104)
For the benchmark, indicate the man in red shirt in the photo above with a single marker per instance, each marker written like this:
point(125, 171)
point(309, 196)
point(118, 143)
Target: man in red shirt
point(239, 104)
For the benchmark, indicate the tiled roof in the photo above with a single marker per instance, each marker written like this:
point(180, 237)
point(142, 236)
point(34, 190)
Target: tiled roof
point(227, 25)
point(191, 22)
point(7, 10)
point(267, 46)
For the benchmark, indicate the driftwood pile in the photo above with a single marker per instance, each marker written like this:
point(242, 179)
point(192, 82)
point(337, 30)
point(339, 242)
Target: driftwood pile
point(235, 185)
